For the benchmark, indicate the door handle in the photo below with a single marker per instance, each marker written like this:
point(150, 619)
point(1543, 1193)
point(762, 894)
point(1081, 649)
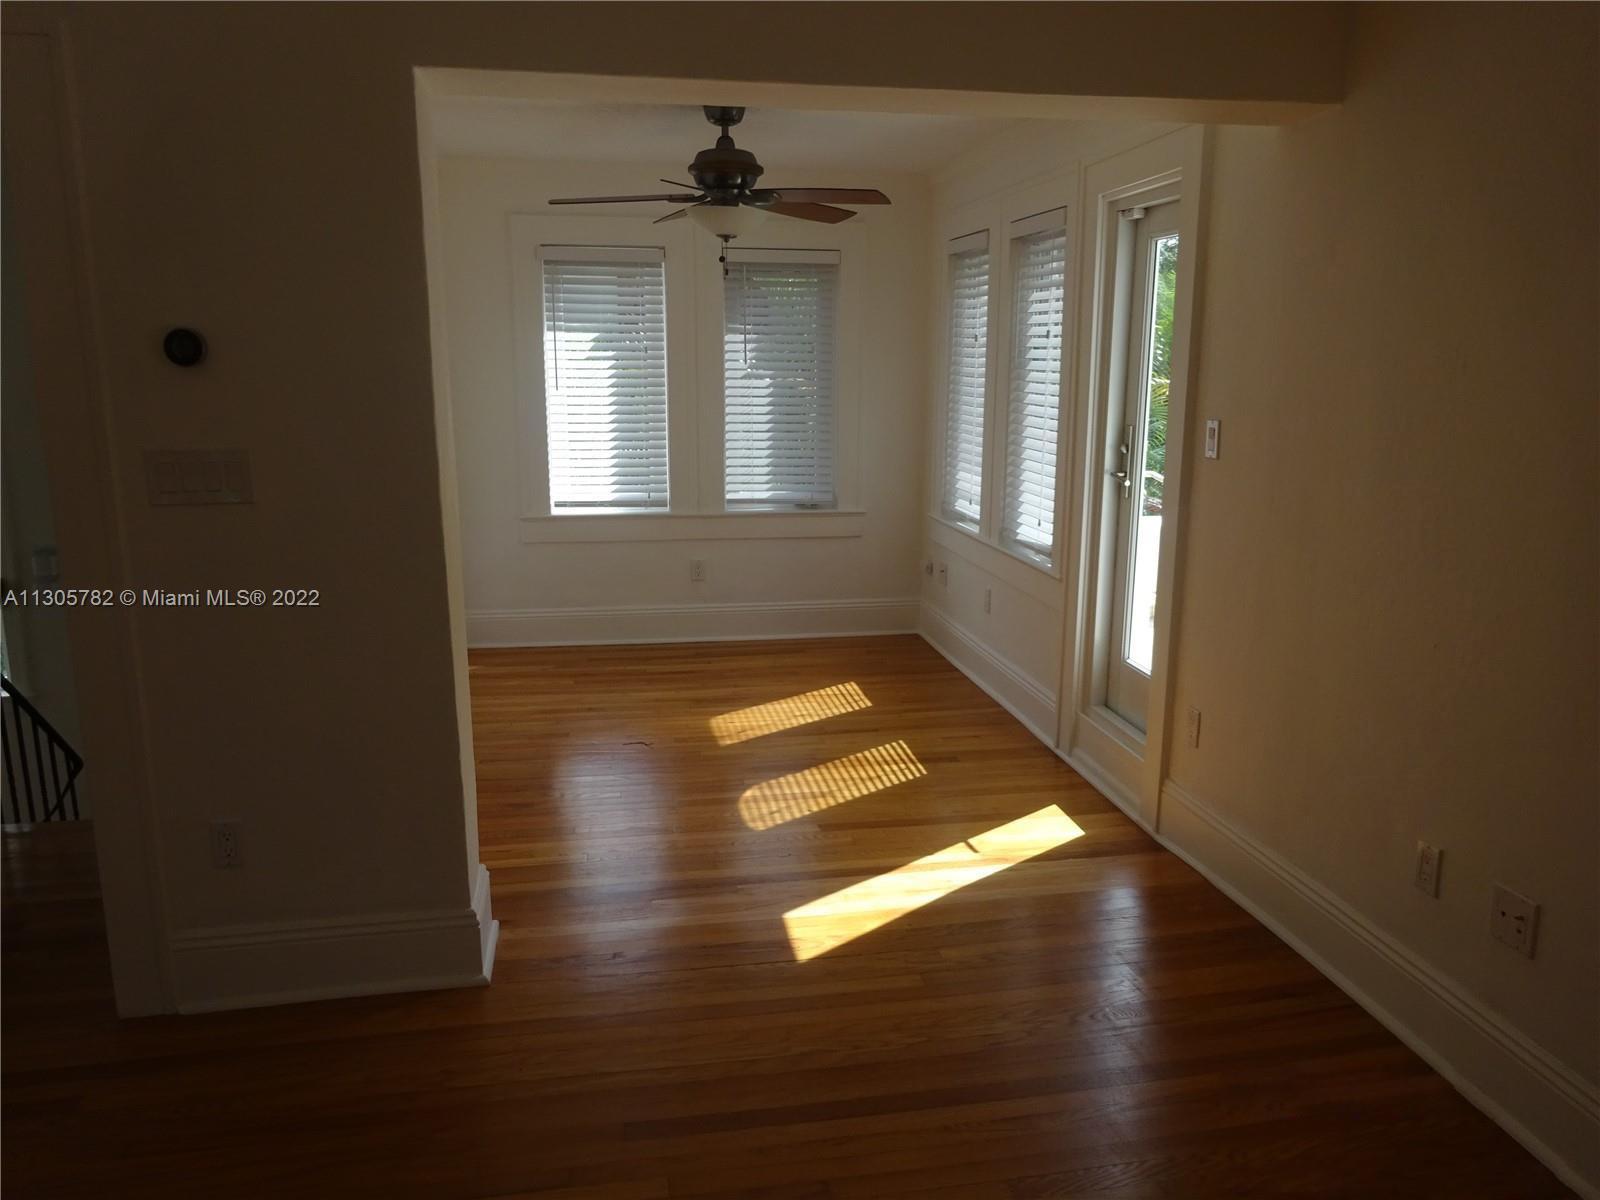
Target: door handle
point(1121, 473)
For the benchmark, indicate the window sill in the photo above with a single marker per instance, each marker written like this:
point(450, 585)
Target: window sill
point(692, 527)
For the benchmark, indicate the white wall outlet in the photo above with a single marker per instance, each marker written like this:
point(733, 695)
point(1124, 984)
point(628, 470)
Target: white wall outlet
point(988, 599)
point(1192, 727)
point(944, 574)
point(697, 570)
point(1213, 438)
point(1426, 875)
point(1514, 920)
point(224, 844)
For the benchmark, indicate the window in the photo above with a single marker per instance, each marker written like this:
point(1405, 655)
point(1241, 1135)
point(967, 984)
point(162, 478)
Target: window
point(1038, 274)
point(659, 398)
point(967, 376)
point(605, 377)
point(778, 352)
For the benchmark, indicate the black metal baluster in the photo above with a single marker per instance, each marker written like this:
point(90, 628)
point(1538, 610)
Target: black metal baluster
point(38, 766)
point(22, 759)
point(57, 798)
point(11, 775)
point(65, 763)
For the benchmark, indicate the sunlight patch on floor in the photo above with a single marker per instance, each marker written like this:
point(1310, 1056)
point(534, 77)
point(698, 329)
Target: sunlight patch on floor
point(790, 713)
point(790, 797)
point(833, 920)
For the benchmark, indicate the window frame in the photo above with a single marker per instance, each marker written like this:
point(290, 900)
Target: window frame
point(528, 234)
point(976, 240)
point(1055, 220)
point(850, 242)
point(696, 509)
point(996, 214)
point(549, 252)
point(770, 255)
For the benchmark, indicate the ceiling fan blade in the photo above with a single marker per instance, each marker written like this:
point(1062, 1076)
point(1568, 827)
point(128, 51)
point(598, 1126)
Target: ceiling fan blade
point(825, 213)
point(669, 197)
point(676, 183)
point(825, 195)
point(675, 214)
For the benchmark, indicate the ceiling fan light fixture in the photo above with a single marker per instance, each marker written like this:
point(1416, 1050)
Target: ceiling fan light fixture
point(726, 220)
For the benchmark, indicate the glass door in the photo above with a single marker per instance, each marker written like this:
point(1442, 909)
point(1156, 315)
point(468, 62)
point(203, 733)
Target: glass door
point(1135, 476)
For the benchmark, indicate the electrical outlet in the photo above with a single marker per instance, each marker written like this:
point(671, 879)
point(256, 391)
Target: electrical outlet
point(1426, 876)
point(1192, 727)
point(224, 844)
point(1514, 920)
point(697, 570)
point(988, 599)
point(944, 574)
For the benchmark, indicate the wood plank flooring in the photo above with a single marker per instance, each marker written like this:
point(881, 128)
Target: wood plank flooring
point(780, 920)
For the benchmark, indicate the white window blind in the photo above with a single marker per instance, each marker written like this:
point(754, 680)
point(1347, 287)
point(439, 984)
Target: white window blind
point(1038, 268)
point(778, 352)
point(605, 377)
point(968, 372)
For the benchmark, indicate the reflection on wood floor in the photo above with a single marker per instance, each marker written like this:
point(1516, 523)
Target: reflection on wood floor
point(783, 919)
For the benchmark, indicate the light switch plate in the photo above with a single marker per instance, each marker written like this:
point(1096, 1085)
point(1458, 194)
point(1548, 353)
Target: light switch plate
point(1213, 438)
point(1426, 877)
point(198, 477)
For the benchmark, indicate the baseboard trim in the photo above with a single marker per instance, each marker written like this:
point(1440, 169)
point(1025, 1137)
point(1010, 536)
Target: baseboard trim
point(1553, 1112)
point(1006, 684)
point(628, 624)
point(246, 966)
point(1106, 784)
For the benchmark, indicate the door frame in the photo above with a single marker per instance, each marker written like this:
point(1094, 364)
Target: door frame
point(1123, 762)
point(45, 187)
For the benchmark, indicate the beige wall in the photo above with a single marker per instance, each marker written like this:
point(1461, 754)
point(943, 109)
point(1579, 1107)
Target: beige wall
point(1389, 615)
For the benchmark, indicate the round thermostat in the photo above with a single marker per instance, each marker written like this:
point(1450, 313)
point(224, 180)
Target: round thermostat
point(183, 347)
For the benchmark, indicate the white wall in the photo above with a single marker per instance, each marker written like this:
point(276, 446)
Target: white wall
point(523, 593)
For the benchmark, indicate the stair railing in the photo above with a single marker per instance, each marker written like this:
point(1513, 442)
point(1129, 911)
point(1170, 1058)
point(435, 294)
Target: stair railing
point(41, 785)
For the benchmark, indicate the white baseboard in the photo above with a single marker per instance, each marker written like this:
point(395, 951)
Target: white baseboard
point(689, 622)
point(287, 962)
point(1541, 1102)
point(1025, 698)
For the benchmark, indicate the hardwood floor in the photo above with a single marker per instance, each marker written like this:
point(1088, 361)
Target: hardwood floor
point(718, 977)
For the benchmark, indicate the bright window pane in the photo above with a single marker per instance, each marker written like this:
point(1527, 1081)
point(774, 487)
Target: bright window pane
point(1039, 266)
point(605, 383)
point(968, 372)
point(1146, 545)
point(778, 383)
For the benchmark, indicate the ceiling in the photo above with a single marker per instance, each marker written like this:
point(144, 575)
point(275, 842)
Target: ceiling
point(661, 133)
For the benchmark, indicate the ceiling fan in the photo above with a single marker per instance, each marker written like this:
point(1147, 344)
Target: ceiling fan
point(725, 188)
